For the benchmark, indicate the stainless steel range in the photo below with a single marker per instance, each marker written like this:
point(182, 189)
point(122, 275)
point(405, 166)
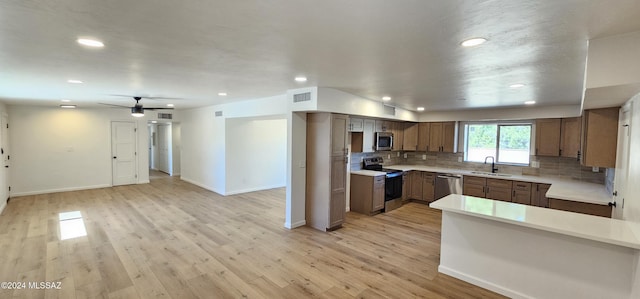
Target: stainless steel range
point(392, 182)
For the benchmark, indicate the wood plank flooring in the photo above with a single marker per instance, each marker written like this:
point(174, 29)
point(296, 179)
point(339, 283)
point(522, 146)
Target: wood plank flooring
point(171, 239)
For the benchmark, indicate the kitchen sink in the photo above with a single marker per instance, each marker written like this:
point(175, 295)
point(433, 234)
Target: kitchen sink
point(491, 174)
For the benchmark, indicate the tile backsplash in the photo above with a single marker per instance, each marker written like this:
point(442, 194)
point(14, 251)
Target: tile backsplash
point(549, 166)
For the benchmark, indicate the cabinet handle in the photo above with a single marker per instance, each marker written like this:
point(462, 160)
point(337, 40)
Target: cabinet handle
point(514, 193)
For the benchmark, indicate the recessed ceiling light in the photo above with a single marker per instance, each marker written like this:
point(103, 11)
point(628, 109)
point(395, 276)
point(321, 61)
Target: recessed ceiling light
point(68, 106)
point(529, 102)
point(222, 94)
point(301, 79)
point(169, 105)
point(74, 81)
point(154, 122)
point(65, 101)
point(420, 108)
point(386, 98)
point(517, 85)
point(90, 42)
point(472, 42)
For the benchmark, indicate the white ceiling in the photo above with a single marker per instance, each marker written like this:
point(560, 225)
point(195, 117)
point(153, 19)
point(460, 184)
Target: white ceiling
point(409, 50)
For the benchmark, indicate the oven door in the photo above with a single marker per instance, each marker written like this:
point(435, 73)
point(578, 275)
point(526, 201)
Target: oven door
point(393, 186)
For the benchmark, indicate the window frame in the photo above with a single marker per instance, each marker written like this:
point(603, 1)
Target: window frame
point(500, 124)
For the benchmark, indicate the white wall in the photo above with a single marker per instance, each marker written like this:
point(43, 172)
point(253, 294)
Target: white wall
point(614, 60)
point(631, 210)
point(516, 113)
point(256, 153)
point(175, 146)
point(57, 149)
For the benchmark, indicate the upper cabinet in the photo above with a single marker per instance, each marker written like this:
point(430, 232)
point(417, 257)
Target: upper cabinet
point(570, 132)
point(383, 126)
point(356, 124)
point(600, 137)
point(442, 137)
point(398, 135)
point(548, 137)
point(424, 130)
point(410, 141)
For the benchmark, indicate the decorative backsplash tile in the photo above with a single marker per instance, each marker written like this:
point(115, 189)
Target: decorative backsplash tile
point(549, 166)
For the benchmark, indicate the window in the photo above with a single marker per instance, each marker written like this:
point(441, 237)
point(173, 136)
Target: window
point(508, 143)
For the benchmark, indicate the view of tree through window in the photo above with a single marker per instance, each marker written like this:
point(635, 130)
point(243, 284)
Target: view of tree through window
point(508, 144)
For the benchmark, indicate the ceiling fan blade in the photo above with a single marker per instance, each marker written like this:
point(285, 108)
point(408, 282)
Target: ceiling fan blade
point(114, 105)
point(157, 108)
point(148, 98)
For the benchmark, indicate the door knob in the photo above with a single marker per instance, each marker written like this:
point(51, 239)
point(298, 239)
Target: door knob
point(114, 157)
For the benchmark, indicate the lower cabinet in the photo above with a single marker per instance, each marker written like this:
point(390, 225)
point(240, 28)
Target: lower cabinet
point(474, 186)
point(422, 186)
point(580, 207)
point(415, 191)
point(521, 193)
point(499, 189)
point(367, 194)
point(538, 195)
point(406, 186)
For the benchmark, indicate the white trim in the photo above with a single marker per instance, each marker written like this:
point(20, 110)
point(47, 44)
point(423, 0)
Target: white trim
point(190, 181)
point(295, 224)
point(4, 205)
point(481, 283)
point(67, 189)
point(254, 189)
point(144, 182)
point(175, 174)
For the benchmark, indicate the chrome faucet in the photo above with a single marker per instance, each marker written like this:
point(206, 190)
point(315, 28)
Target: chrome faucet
point(493, 163)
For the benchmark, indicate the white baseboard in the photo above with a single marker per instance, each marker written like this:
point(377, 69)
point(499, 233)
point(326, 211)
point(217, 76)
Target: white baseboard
point(2, 206)
point(295, 224)
point(190, 181)
point(253, 189)
point(66, 189)
point(144, 182)
point(175, 174)
point(481, 283)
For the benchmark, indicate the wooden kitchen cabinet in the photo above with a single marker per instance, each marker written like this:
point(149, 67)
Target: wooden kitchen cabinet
point(600, 137)
point(580, 207)
point(539, 195)
point(406, 186)
point(570, 135)
point(474, 186)
point(383, 125)
point(367, 194)
point(521, 193)
point(356, 124)
point(398, 135)
point(326, 174)
point(499, 189)
point(428, 186)
point(423, 136)
point(410, 141)
point(442, 137)
point(416, 185)
point(548, 137)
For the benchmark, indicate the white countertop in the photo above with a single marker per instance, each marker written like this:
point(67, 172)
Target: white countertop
point(368, 172)
point(612, 231)
point(561, 188)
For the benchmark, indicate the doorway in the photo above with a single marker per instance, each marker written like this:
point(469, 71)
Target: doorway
point(4, 151)
point(164, 149)
point(622, 163)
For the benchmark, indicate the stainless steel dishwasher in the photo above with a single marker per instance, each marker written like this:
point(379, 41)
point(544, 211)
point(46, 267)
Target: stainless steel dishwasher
point(447, 183)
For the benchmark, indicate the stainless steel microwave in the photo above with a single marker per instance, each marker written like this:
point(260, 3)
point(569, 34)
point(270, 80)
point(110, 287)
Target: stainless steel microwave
point(384, 141)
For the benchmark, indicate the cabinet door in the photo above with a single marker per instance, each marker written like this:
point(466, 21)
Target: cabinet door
point(423, 136)
point(416, 185)
point(538, 195)
point(338, 201)
point(496, 193)
point(398, 135)
point(368, 136)
point(570, 137)
point(356, 124)
point(383, 126)
point(548, 137)
point(435, 137)
point(339, 134)
point(406, 186)
point(521, 193)
point(473, 190)
point(449, 137)
point(428, 186)
point(600, 137)
point(378, 194)
point(410, 142)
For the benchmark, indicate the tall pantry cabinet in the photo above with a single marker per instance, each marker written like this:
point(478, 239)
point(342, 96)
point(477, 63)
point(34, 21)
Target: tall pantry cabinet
point(327, 159)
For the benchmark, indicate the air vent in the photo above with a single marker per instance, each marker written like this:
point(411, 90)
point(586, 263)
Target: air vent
point(302, 97)
point(218, 113)
point(389, 110)
point(165, 116)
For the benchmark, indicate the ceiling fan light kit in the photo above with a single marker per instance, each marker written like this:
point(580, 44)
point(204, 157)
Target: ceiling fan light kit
point(137, 110)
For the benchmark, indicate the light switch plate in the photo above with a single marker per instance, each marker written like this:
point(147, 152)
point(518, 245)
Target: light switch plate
point(424, 157)
point(535, 164)
point(405, 155)
point(388, 156)
point(302, 164)
point(459, 159)
point(595, 169)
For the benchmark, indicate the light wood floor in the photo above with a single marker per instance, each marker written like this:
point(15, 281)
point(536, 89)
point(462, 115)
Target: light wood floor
point(171, 239)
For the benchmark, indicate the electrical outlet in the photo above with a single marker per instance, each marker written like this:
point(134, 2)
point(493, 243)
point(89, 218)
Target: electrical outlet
point(424, 157)
point(302, 164)
point(405, 155)
point(389, 157)
point(595, 169)
point(535, 164)
point(397, 154)
point(459, 159)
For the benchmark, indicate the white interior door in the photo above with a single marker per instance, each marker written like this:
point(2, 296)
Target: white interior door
point(123, 150)
point(4, 150)
point(164, 145)
point(622, 161)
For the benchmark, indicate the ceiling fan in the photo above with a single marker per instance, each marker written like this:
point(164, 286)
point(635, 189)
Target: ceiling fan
point(137, 110)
